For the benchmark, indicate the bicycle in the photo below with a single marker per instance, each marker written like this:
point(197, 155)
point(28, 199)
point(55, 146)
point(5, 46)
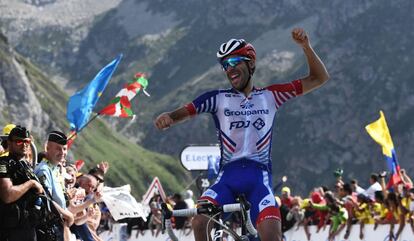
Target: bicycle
point(212, 212)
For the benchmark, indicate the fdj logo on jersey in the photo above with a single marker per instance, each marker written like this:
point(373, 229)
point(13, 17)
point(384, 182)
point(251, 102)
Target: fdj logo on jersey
point(258, 124)
point(265, 202)
point(239, 124)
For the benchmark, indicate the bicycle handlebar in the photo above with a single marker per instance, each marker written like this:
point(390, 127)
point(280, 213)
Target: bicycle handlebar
point(235, 207)
point(210, 209)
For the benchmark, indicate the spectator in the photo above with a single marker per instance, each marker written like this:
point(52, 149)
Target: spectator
point(375, 186)
point(71, 172)
point(4, 146)
point(338, 187)
point(139, 223)
point(180, 222)
point(338, 214)
point(77, 204)
point(355, 187)
point(411, 211)
point(320, 215)
point(314, 216)
point(88, 184)
point(406, 179)
point(189, 199)
point(296, 213)
point(349, 202)
point(95, 213)
point(155, 215)
point(287, 223)
point(363, 213)
point(286, 197)
point(99, 173)
point(381, 211)
point(395, 214)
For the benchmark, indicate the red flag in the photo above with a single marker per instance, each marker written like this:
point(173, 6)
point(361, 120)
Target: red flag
point(79, 164)
point(120, 106)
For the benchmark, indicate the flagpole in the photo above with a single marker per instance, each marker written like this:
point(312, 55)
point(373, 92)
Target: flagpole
point(193, 181)
point(87, 123)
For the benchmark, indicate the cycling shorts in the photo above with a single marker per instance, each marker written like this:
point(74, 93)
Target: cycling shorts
point(251, 179)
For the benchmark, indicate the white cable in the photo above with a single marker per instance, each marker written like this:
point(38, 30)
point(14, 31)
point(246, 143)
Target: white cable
point(249, 226)
point(170, 231)
point(210, 218)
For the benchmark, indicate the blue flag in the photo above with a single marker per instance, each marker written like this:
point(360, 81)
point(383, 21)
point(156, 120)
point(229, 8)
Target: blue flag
point(213, 166)
point(81, 104)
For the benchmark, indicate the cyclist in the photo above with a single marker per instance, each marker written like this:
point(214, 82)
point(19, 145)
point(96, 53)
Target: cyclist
point(244, 117)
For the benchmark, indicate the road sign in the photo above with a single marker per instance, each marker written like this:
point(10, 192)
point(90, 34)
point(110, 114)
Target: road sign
point(196, 158)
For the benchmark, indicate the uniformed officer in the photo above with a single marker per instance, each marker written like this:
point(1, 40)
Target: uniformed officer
point(16, 191)
point(48, 171)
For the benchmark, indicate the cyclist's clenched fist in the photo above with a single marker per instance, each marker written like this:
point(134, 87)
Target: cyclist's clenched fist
point(300, 37)
point(163, 121)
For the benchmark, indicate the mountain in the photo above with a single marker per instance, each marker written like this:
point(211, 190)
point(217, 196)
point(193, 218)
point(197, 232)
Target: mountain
point(30, 98)
point(364, 44)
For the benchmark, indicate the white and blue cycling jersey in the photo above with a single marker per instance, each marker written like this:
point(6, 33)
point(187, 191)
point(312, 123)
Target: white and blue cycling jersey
point(244, 124)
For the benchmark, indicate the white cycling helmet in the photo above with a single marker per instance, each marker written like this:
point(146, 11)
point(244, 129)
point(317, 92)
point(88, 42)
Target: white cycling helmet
point(237, 47)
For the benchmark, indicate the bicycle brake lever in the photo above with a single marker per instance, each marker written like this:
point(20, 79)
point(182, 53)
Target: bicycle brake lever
point(166, 213)
point(242, 200)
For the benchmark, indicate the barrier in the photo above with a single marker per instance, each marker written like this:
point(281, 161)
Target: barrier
point(380, 234)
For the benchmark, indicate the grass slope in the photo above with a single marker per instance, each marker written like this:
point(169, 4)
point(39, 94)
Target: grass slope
point(129, 163)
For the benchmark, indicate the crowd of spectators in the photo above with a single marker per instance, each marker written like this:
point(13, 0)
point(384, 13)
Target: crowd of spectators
point(153, 223)
point(347, 203)
point(336, 209)
point(77, 197)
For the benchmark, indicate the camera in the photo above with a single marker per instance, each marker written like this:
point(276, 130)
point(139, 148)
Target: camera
point(383, 174)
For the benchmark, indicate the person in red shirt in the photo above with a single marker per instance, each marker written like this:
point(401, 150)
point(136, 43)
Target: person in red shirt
point(286, 197)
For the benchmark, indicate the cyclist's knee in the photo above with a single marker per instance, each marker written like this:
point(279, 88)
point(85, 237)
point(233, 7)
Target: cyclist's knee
point(270, 230)
point(199, 222)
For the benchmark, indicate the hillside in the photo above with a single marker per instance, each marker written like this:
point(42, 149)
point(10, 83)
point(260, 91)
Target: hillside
point(28, 97)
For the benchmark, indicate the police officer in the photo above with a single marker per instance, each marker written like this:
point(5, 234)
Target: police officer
point(48, 171)
point(16, 192)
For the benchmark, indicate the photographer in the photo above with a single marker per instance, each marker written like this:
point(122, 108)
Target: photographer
point(17, 193)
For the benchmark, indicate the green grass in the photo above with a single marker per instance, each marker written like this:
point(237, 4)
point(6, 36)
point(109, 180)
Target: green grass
point(129, 162)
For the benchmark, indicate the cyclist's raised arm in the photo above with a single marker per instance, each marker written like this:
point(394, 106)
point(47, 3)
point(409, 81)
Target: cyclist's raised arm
point(167, 119)
point(318, 74)
point(205, 103)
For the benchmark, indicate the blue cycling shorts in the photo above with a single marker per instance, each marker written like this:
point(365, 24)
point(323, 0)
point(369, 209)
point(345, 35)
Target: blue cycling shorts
point(251, 179)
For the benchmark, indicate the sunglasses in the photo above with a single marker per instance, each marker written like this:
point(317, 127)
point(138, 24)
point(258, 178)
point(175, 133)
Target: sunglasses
point(21, 142)
point(100, 180)
point(233, 62)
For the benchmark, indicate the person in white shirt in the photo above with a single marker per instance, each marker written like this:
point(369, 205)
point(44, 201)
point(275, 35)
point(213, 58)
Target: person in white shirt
point(355, 187)
point(375, 186)
point(189, 199)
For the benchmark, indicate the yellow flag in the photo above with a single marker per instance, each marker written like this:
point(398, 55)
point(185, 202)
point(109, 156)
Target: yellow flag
point(378, 130)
